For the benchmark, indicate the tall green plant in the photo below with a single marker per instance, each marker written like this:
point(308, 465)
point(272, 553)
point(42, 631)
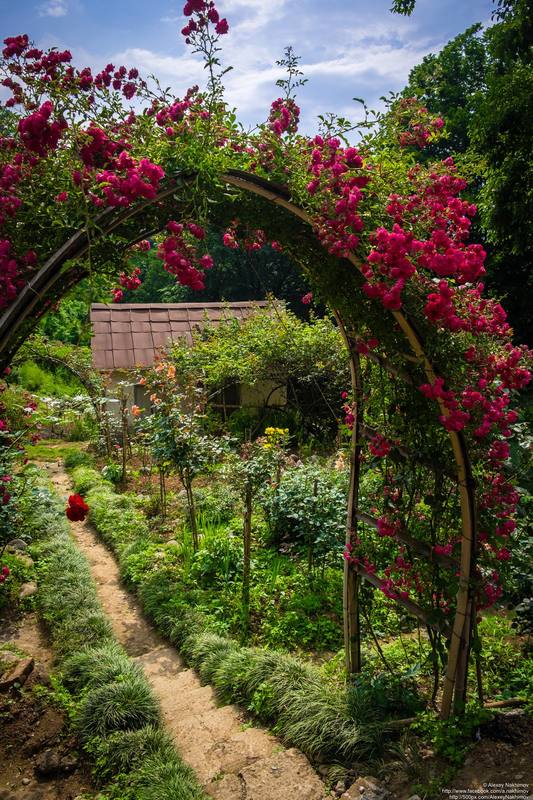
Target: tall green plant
point(250, 470)
point(177, 438)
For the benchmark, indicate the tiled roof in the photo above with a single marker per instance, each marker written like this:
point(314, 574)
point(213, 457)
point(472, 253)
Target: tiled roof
point(129, 335)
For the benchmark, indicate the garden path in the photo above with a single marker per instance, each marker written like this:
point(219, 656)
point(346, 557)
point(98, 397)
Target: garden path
point(232, 761)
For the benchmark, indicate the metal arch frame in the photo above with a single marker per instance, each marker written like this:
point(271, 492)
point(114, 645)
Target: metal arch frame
point(78, 245)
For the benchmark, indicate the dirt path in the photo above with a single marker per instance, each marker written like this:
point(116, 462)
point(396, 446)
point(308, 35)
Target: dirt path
point(232, 761)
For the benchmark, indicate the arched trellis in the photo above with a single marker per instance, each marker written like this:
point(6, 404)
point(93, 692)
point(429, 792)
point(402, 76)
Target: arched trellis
point(52, 281)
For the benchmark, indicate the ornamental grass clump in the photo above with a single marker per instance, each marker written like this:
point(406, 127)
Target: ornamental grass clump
point(93, 667)
point(85, 478)
point(123, 751)
point(78, 458)
point(160, 777)
point(127, 704)
point(208, 651)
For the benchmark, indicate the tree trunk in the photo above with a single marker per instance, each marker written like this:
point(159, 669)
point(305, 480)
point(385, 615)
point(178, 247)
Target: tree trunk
point(124, 410)
point(247, 546)
point(162, 492)
point(192, 511)
point(459, 652)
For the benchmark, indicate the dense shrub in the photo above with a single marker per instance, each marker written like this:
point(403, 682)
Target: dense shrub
point(78, 458)
point(307, 510)
point(219, 560)
point(215, 503)
point(384, 696)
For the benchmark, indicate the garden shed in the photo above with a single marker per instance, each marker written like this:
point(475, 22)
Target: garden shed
point(129, 336)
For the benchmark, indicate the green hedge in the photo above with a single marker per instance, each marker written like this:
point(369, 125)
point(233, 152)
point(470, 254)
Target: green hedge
point(116, 713)
point(281, 690)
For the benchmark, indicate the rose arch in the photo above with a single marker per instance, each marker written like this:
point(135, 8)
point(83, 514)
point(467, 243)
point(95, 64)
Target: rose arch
point(381, 239)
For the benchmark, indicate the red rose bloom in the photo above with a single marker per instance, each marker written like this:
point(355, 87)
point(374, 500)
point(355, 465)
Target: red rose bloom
point(77, 509)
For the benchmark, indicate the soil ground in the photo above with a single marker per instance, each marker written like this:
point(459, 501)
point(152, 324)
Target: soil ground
point(39, 758)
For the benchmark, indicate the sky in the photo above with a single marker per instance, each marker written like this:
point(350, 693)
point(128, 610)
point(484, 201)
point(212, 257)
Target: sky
point(348, 48)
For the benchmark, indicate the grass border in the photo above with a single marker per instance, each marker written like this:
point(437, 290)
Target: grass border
point(116, 713)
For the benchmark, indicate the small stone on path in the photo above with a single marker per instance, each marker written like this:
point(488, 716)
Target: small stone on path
point(17, 544)
point(367, 788)
point(17, 674)
point(27, 590)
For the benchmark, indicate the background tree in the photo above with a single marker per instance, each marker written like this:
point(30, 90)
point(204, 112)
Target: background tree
point(236, 275)
point(501, 131)
point(482, 83)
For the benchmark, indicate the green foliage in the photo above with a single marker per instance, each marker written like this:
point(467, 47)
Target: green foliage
point(219, 560)
point(452, 738)
point(523, 621)
point(112, 472)
point(307, 510)
point(215, 502)
point(85, 478)
point(20, 572)
point(272, 345)
point(404, 7)
point(118, 521)
point(449, 83)
point(122, 751)
point(29, 375)
point(384, 696)
point(69, 322)
point(178, 440)
point(482, 84)
point(251, 468)
point(519, 583)
point(67, 597)
point(275, 686)
point(506, 670)
point(93, 667)
point(52, 450)
point(296, 611)
point(78, 458)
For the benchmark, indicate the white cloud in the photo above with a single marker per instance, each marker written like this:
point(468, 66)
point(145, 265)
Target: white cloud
point(383, 60)
point(54, 8)
point(259, 14)
point(364, 58)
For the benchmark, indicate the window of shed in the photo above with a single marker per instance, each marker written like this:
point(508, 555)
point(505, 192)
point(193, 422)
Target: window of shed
point(227, 397)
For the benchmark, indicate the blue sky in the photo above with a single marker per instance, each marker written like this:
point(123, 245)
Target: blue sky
point(349, 48)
